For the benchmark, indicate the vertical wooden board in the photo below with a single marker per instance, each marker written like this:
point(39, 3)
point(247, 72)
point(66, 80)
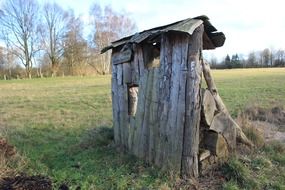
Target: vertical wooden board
point(135, 68)
point(127, 73)
point(172, 137)
point(125, 117)
point(141, 64)
point(165, 70)
point(123, 114)
point(137, 146)
point(115, 106)
point(120, 74)
point(131, 133)
point(146, 120)
point(120, 113)
point(189, 161)
point(159, 91)
point(153, 117)
point(180, 119)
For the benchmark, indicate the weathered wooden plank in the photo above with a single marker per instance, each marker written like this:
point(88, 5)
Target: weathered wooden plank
point(127, 73)
point(131, 134)
point(172, 128)
point(180, 120)
point(120, 74)
point(122, 57)
point(154, 117)
point(135, 68)
point(162, 158)
point(141, 63)
point(126, 116)
point(121, 110)
point(138, 137)
point(193, 107)
point(145, 133)
point(123, 106)
point(116, 124)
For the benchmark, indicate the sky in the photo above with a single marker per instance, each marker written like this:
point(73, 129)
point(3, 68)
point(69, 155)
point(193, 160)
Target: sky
point(248, 24)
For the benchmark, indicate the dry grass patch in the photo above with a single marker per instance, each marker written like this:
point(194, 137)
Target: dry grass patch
point(10, 161)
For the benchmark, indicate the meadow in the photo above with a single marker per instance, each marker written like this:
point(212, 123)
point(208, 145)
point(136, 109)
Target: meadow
point(62, 128)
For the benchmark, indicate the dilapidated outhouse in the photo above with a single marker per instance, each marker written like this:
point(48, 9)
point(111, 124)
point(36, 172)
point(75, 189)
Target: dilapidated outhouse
point(160, 112)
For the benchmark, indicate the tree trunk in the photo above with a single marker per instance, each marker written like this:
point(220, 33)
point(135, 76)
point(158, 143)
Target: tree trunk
point(241, 137)
point(208, 107)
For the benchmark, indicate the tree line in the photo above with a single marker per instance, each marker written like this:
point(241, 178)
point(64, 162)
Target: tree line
point(47, 40)
point(255, 59)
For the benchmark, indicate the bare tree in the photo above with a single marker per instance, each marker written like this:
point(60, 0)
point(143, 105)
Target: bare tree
point(56, 24)
point(108, 26)
point(75, 47)
point(266, 57)
point(280, 58)
point(252, 60)
point(18, 21)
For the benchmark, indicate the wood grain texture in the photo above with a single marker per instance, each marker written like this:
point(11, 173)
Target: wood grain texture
point(208, 107)
point(223, 125)
point(189, 162)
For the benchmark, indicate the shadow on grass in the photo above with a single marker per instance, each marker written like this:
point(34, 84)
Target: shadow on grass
point(82, 158)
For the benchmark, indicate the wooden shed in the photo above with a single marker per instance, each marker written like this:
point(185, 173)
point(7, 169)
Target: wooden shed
point(160, 112)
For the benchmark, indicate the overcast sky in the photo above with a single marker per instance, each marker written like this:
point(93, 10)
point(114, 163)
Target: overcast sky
point(248, 24)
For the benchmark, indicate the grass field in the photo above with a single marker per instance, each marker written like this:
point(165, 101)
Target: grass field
point(52, 122)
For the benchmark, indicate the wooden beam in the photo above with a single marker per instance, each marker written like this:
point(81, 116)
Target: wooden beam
point(122, 57)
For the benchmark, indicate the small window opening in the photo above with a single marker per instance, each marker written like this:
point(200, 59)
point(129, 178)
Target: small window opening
point(152, 54)
point(132, 99)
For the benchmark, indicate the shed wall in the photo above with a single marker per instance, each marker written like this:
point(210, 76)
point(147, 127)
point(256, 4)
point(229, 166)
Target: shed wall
point(165, 128)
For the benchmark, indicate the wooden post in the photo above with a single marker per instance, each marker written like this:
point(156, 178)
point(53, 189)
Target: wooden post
point(193, 107)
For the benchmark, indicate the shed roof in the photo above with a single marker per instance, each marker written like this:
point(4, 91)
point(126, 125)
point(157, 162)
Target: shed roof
point(211, 38)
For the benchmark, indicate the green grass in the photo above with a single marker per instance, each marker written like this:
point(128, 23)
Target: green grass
point(52, 123)
point(244, 87)
point(261, 169)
